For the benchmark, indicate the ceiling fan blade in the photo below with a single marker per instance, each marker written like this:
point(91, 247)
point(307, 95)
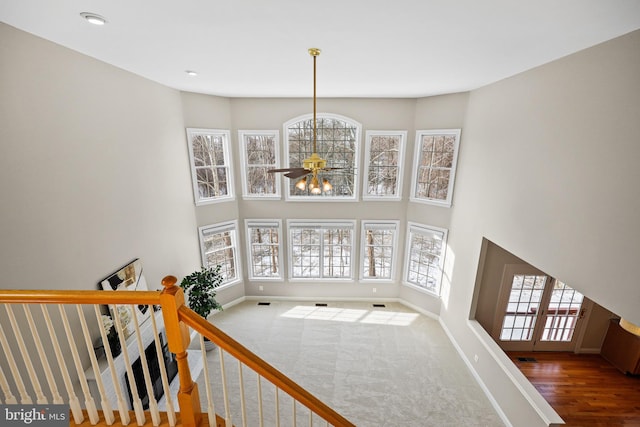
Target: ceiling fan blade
point(283, 170)
point(297, 173)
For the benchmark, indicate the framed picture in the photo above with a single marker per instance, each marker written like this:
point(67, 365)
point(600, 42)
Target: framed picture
point(128, 278)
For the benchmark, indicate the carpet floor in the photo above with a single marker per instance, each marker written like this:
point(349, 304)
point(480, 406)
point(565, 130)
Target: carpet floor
point(377, 366)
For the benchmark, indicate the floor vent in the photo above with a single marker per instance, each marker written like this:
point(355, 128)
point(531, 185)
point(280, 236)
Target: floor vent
point(379, 305)
point(321, 304)
point(264, 303)
point(527, 359)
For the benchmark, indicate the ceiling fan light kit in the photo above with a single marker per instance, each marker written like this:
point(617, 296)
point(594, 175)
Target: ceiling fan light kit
point(314, 163)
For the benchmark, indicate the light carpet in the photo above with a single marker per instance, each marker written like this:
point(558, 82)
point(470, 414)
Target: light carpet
point(376, 366)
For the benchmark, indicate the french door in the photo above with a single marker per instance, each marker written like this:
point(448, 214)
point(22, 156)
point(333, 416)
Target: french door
point(536, 312)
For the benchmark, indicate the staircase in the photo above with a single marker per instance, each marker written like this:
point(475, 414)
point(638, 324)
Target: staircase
point(49, 338)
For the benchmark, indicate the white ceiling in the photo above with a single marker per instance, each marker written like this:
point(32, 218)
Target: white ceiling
point(370, 48)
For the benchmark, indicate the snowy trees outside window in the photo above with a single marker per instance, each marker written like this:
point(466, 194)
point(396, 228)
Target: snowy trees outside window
point(384, 154)
point(425, 252)
point(264, 249)
point(218, 245)
point(321, 250)
point(338, 141)
point(434, 166)
point(210, 157)
point(378, 250)
point(259, 151)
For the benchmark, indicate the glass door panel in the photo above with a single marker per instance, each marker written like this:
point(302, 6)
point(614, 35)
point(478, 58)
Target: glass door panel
point(561, 318)
point(524, 299)
point(536, 312)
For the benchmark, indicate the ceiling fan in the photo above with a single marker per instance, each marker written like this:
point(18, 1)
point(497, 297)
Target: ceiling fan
point(313, 164)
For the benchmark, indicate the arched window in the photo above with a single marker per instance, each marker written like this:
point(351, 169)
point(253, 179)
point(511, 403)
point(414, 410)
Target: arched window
point(338, 141)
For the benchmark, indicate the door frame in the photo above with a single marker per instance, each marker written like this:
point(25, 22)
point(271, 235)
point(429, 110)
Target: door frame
point(508, 272)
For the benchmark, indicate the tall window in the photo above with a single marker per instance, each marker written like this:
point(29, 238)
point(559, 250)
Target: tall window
point(435, 166)
point(378, 250)
point(210, 157)
point(264, 249)
point(337, 141)
point(321, 249)
point(259, 154)
point(425, 252)
point(218, 245)
point(384, 153)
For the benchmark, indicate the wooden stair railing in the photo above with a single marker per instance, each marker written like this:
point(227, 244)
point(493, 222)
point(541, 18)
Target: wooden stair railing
point(176, 318)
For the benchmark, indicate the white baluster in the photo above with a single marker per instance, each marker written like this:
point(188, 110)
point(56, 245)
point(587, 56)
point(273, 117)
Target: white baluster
point(41, 399)
point(104, 401)
point(210, 406)
point(310, 418)
point(74, 403)
point(44, 359)
point(293, 412)
point(90, 404)
point(123, 409)
point(227, 411)
point(153, 403)
point(25, 399)
point(171, 413)
point(277, 409)
point(137, 403)
point(9, 398)
point(242, 402)
point(260, 416)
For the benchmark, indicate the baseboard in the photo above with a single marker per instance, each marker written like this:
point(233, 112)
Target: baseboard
point(323, 299)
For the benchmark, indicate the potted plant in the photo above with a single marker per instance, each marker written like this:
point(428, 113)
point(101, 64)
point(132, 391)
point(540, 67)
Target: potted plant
point(200, 287)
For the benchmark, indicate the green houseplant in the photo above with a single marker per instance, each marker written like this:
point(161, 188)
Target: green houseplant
point(200, 287)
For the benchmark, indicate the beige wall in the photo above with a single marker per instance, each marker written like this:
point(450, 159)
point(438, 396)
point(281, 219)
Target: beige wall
point(548, 171)
point(93, 168)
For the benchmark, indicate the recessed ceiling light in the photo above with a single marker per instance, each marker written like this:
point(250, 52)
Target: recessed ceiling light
point(191, 72)
point(93, 18)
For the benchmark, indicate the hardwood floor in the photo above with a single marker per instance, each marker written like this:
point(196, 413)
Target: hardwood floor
point(584, 389)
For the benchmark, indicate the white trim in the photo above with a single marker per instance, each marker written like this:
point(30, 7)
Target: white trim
point(321, 225)
point(384, 225)
point(401, 160)
point(227, 161)
point(270, 223)
point(411, 226)
point(356, 162)
point(218, 228)
point(481, 383)
point(528, 391)
point(416, 164)
point(244, 163)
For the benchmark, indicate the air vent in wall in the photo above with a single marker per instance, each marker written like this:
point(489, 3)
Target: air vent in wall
point(379, 305)
point(264, 303)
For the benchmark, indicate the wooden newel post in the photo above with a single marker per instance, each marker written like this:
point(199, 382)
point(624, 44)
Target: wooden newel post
point(178, 339)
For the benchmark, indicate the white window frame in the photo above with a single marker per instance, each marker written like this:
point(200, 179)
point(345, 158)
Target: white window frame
point(402, 134)
point(323, 197)
point(242, 139)
point(412, 228)
point(220, 228)
point(321, 225)
point(264, 223)
point(416, 167)
point(226, 135)
point(380, 225)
